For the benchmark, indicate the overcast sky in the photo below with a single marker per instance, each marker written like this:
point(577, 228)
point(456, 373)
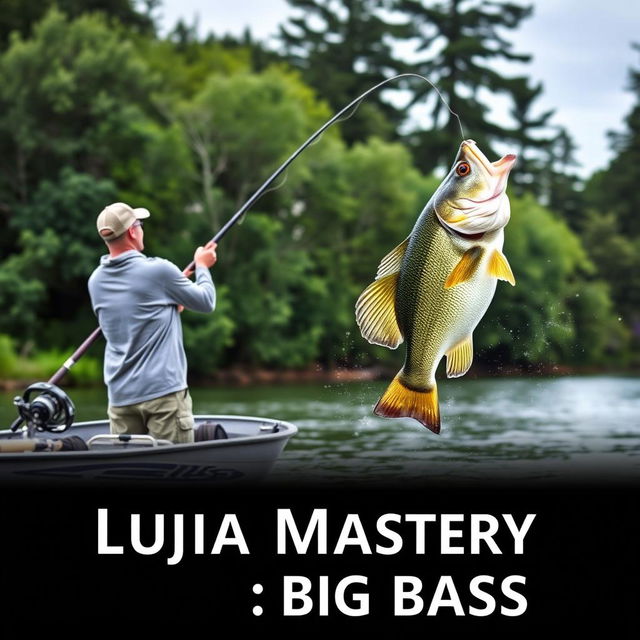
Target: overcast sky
point(581, 52)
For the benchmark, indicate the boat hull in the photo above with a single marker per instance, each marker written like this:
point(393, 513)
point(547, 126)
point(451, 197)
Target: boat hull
point(249, 453)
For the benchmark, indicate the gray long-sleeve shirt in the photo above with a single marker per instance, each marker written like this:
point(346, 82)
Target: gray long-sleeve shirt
point(136, 301)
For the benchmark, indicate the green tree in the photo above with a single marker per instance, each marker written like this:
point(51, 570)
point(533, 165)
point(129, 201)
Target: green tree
point(260, 55)
point(616, 189)
point(462, 38)
point(354, 206)
point(617, 256)
point(20, 15)
point(278, 298)
point(531, 165)
point(71, 95)
point(240, 128)
point(76, 132)
point(58, 249)
point(208, 335)
point(610, 224)
point(558, 312)
point(92, 112)
point(184, 63)
point(343, 48)
point(560, 185)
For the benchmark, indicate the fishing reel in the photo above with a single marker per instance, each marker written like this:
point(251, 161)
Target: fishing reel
point(52, 410)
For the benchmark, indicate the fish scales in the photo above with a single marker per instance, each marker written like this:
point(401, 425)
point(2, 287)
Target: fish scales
point(436, 294)
point(443, 317)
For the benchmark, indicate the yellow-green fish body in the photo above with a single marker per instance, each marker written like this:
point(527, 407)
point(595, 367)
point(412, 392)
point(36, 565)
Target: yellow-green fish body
point(432, 290)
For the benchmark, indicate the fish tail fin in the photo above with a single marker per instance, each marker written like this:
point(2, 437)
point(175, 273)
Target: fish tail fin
point(399, 401)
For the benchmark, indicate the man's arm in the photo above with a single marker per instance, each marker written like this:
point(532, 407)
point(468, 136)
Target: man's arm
point(201, 294)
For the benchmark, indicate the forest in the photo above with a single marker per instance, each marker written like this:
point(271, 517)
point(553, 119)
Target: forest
point(96, 107)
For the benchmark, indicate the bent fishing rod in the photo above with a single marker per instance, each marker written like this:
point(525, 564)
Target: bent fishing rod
point(82, 349)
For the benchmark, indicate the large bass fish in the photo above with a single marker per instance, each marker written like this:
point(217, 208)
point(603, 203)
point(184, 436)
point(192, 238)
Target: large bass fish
point(432, 289)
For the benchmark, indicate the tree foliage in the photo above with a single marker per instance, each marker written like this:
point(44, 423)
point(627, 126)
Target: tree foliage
point(558, 311)
point(609, 222)
point(343, 48)
point(94, 109)
point(460, 39)
point(19, 16)
point(74, 95)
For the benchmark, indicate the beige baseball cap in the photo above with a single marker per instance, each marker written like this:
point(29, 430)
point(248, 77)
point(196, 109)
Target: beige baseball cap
point(117, 218)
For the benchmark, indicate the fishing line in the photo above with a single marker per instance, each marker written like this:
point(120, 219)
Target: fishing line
point(350, 115)
point(280, 184)
point(336, 118)
point(446, 104)
point(342, 119)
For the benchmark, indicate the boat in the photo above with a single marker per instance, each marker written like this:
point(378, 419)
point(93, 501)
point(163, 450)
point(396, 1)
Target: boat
point(227, 450)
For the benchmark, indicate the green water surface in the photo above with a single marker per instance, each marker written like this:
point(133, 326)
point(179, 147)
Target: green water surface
point(537, 429)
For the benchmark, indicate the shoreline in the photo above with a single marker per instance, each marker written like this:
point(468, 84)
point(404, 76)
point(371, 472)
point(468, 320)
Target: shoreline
point(243, 377)
point(238, 376)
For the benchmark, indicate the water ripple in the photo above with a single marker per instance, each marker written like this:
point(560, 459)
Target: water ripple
point(536, 429)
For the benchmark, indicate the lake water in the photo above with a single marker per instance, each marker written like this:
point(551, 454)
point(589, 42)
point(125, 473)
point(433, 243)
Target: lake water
point(521, 429)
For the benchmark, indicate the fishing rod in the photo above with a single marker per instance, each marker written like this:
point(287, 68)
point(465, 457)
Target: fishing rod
point(26, 409)
point(252, 200)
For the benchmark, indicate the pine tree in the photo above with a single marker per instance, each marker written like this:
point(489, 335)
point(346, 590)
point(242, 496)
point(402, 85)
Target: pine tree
point(611, 227)
point(21, 15)
point(528, 173)
point(618, 185)
point(348, 52)
point(561, 186)
point(461, 39)
point(260, 55)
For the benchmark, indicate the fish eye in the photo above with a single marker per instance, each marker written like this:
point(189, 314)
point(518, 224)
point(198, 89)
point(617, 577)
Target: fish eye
point(463, 169)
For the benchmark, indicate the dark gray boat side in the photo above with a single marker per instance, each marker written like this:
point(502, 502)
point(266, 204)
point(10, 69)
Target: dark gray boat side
point(247, 454)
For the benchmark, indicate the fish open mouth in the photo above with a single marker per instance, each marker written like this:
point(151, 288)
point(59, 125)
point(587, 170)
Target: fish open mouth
point(499, 169)
point(509, 159)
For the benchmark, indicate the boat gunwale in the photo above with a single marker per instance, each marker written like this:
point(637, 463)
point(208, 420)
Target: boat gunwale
point(289, 430)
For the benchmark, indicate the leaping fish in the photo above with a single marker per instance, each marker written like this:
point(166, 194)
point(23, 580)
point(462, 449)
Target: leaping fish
point(433, 289)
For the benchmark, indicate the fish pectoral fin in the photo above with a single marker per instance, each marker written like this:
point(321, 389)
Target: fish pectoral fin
point(459, 358)
point(465, 269)
point(376, 313)
point(499, 267)
point(392, 262)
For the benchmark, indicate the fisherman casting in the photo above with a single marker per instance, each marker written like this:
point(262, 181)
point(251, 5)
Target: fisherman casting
point(137, 302)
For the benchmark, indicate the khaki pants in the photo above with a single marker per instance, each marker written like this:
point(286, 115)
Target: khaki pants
point(169, 417)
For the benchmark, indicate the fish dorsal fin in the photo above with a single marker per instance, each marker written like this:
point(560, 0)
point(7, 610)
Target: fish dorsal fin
point(465, 269)
point(376, 312)
point(459, 358)
point(499, 267)
point(392, 261)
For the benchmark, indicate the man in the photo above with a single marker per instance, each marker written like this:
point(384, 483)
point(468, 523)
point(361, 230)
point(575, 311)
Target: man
point(137, 301)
